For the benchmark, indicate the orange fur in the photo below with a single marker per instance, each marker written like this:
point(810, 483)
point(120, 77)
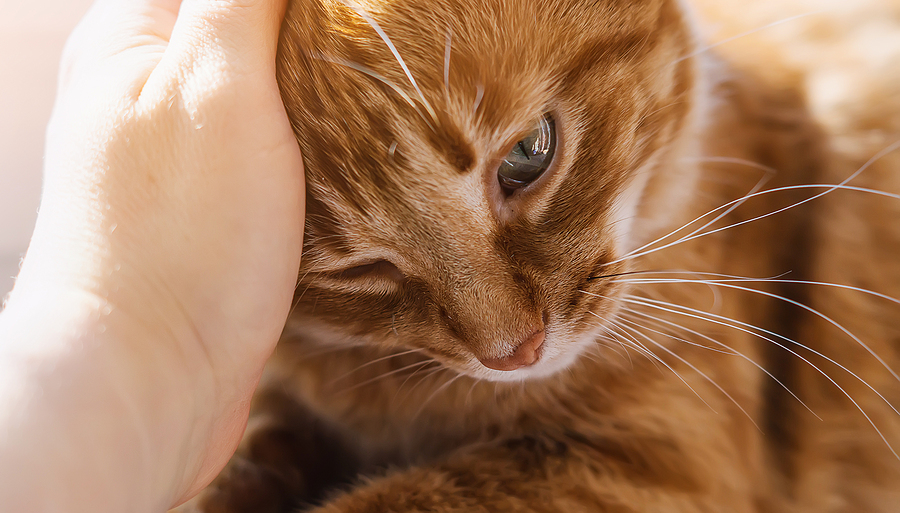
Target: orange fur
point(417, 266)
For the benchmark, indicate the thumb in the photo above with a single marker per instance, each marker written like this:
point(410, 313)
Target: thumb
point(242, 31)
point(219, 39)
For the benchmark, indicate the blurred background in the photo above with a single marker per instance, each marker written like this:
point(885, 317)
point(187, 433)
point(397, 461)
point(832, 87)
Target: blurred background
point(32, 35)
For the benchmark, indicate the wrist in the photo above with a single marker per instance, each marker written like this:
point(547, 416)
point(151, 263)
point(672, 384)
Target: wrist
point(104, 410)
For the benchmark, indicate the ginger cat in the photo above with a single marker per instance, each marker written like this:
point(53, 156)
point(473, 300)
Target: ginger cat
point(555, 262)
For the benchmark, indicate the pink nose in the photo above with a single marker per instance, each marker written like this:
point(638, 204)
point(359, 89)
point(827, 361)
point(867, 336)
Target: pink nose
point(526, 354)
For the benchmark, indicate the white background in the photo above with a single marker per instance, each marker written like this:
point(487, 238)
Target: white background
point(32, 34)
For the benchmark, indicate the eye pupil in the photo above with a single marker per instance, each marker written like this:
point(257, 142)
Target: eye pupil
point(530, 157)
point(524, 151)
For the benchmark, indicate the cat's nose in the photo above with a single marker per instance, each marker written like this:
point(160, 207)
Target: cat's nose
point(526, 354)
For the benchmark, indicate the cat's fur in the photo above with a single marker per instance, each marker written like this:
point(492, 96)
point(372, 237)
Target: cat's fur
point(656, 130)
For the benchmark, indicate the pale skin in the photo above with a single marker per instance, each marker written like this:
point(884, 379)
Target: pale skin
point(163, 262)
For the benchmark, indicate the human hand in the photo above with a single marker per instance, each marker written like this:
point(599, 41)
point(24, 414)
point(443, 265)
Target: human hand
point(167, 244)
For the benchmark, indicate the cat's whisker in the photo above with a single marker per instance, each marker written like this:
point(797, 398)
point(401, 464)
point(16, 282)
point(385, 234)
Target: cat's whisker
point(595, 353)
point(447, 50)
point(643, 352)
point(734, 203)
point(717, 296)
point(741, 279)
point(604, 341)
point(384, 37)
point(612, 338)
point(626, 329)
point(469, 394)
point(373, 362)
point(734, 277)
point(837, 187)
point(393, 325)
point(637, 327)
point(729, 351)
point(829, 188)
point(745, 34)
point(770, 171)
point(616, 275)
point(366, 71)
point(616, 338)
point(730, 208)
point(758, 332)
point(295, 302)
point(660, 321)
point(751, 330)
point(300, 296)
point(612, 328)
point(433, 395)
point(744, 327)
point(634, 343)
point(385, 375)
point(430, 371)
point(810, 310)
point(321, 351)
point(479, 95)
point(891, 148)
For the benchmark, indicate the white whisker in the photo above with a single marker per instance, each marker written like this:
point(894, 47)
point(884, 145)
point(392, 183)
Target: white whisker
point(829, 188)
point(386, 374)
point(430, 372)
point(729, 352)
point(747, 33)
point(752, 330)
point(624, 340)
point(479, 95)
point(741, 279)
point(366, 71)
point(733, 350)
point(810, 310)
point(447, 62)
point(433, 395)
point(602, 341)
point(373, 362)
point(384, 37)
point(660, 360)
point(711, 381)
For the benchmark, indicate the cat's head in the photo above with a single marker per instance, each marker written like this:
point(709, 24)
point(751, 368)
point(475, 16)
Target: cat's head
point(473, 168)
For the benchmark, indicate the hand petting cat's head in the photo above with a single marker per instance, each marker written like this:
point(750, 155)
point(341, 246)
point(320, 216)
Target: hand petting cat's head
point(473, 172)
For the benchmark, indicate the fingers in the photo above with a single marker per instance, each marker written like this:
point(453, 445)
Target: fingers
point(156, 46)
point(113, 26)
point(214, 42)
point(242, 32)
point(121, 41)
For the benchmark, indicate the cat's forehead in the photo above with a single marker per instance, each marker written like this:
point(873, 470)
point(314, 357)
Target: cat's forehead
point(494, 56)
point(394, 100)
point(469, 70)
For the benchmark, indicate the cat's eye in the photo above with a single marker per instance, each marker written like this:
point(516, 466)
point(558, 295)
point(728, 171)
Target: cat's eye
point(377, 269)
point(530, 157)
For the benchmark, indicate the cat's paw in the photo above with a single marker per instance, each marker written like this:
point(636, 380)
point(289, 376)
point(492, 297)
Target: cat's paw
point(249, 487)
point(289, 461)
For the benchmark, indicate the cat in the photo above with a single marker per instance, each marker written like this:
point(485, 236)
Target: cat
point(565, 255)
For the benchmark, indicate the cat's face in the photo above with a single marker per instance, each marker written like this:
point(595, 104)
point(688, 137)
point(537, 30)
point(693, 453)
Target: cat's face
point(468, 213)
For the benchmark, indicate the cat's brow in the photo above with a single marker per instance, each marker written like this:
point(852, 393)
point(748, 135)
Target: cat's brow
point(452, 143)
